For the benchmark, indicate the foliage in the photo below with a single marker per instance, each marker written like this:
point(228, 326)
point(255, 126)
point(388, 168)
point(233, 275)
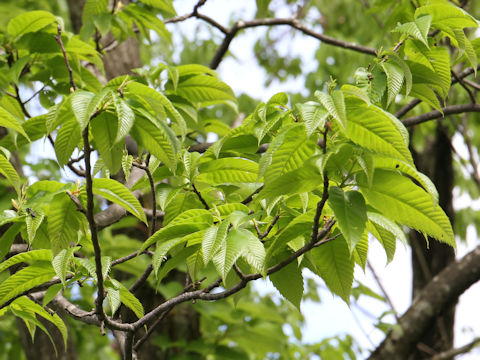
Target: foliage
point(298, 185)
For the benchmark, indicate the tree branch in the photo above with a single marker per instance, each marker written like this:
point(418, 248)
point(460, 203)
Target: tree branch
point(450, 354)
point(292, 22)
point(204, 294)
point(435, 114)
point(439, 294)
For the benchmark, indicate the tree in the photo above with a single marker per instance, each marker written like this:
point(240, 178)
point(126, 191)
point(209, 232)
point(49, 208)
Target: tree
point(149, 232)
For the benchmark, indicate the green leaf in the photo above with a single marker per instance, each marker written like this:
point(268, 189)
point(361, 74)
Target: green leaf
point(313, 115)
point(385, 237)
point(29, 256)
point(335, 106)
point(297, 181)
point(301, 226)
point(104, 131)
point(27, 304)
point(351, 90)
point(350, 212)
point(31, 322)
point(239, 243)
point(394, 58)
point(292, 153)
point(33, 222)
point(58, 114)
point(113, 297)
point(28, 22)
point(80, 101)
point(388, 225)
point(7, 238)
point(63, 222)
point(424, 93)
point(361, 251)
point(61, 262)
point(382, 162)
point(226, 209)
point(399, 199)
point(373, 129)
point(51, 292)
point(125, 116)
point(444, 14)
point(334, 264)
point(10, 122)
point(417, 29)
point(213, 239)
point(159, 103)
point(395, 77)
point(7, 170)
point(205, 90)
point(173, 231)
point(157, 138)
point(68, 138)
point(131, 302)
point(25, 279)
point(431, 67)
point(116, 192)
point(289, 282)
point(163, 5)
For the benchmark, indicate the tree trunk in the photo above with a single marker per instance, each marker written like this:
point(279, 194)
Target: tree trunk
point(430, 258)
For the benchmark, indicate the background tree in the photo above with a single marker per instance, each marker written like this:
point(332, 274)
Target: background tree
point(288, 186)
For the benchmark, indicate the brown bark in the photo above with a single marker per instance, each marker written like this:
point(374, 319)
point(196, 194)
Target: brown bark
point(438, 295)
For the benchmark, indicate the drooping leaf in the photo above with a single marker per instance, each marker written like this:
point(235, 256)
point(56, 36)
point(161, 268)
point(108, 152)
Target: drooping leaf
point(25, 279)
point(29, 256)
point(157, 138)
point(116, 192)
point(7, 170)
point(63, 222)
point(350, 212)
point(418, 29)
point(61, 262)
point(289, 282)
point(313, 115)
point(399, 199)
point(395, 77)
point(125, 117)
point(104, 131)
point(80, 101)
point(335, 106)
point(68, 138)
point(10, 122)
point(26, 304)
point(334, 264)
point(371, 128)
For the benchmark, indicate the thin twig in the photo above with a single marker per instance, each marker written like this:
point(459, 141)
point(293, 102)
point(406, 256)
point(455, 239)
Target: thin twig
point(205, 294)
point(77, 202)
point(150, 330)
point(93, 227)
point(270, 227)
point(154, 196)
point(58, 37)
point(467, 89)
point(450, 354)
point(200, 197)
point(292, 22)
point(249, 198)
point(130, 257)
point(383, 290)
